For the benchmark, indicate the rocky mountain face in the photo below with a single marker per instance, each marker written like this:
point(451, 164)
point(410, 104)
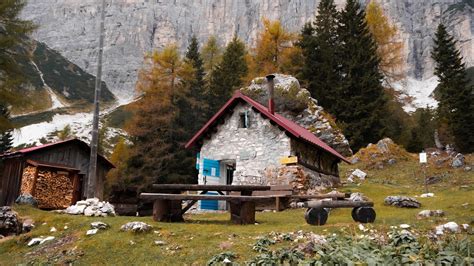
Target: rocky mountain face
point(134, 27)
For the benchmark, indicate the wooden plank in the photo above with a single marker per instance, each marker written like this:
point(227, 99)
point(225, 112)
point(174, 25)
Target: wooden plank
point(338, 204)
point(165, 196)
point(197, 187)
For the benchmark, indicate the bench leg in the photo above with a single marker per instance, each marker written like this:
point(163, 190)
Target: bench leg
point(281, 203)
point(167, 211)
point(242, 212)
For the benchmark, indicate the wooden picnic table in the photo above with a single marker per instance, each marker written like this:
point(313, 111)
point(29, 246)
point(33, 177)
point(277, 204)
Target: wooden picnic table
point(168, 206)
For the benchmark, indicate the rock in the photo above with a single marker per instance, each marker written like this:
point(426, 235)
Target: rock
point(430, 213)
point(34, 241)
point(427, 195)
point(76, 209)
point(92, 201)
point(355, 160)
point(404, 226)
point(92, 232)
point(26, 199)
point(53, 229)
point(467, 168)
point(82, 203)
point(99, 225)
point(90, 211)
point(465, 227)
point(384, 145)
point(392, 161)
point(458, 161)
point(136, 227)
point(28, 225)
point(357, 196)
point(359, 174)
point(402, 202)
point(160, 242)
point(451, 227)
point(49, 238)
point(9, 222)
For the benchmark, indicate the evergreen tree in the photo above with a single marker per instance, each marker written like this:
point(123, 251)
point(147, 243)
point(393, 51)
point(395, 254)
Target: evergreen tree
point(12, 33)
point(422, 134)
point(360, 97)
point(320, 48)
point(157, 131)
point(6, 136)
point(228, 75)
point(193, 107)
point(456, 97)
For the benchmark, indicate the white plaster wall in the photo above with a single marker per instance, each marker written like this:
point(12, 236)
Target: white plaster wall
point(254, 148)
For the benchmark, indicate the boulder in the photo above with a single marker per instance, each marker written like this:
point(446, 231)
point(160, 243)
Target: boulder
point(430, 213)
point(92, 232)
point(99, 225)
point(28, 225)
point(402, 202)
point(359, 174)
point(26, 199)
point(9, 222)
point(458, 161)
point(356, 196)
point(76, 209)
point(136, 227)
point(91, 207)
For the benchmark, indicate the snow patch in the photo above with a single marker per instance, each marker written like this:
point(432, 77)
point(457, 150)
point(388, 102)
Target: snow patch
point(55, 102)
point(417, 93)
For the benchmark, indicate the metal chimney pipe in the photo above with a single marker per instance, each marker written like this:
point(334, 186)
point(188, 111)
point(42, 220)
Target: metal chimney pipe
point(271, 87)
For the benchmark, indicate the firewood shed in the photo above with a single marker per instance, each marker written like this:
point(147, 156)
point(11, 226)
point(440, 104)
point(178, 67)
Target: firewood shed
point(54, 174)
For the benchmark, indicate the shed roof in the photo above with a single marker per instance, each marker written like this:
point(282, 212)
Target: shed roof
point(52, 165)
point(289, 126)
point(55, 144)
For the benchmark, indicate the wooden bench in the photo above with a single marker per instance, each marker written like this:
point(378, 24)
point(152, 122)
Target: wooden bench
point(168, 207)
point(317, 212)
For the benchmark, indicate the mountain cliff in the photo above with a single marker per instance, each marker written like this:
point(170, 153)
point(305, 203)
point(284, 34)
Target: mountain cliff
point(134, 27)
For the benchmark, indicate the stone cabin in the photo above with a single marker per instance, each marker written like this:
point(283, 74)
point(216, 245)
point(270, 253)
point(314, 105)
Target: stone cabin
point(248, 143)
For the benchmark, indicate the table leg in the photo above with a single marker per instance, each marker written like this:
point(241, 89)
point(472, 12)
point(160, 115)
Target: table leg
point(167, 211)
point(242, 212)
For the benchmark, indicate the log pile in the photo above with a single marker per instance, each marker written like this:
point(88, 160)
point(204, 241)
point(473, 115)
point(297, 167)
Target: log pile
point(27, 180)
point(54, 190)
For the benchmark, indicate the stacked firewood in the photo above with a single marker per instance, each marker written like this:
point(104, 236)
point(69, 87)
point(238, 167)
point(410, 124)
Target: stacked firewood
point(53, 190)
point(27, 180)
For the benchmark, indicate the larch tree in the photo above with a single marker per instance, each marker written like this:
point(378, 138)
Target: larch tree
point(156, 130)
point(389, 49)
point(360, 97)
point(320, 44)
point(13, 31)
point(211, 53)
point(228, 75)
point(455, 95)
point(274, 49)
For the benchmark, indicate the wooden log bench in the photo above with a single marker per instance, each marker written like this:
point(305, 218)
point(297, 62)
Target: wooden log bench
point(169, 207)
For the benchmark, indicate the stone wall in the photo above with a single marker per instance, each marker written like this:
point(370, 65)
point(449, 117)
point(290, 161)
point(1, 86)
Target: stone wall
point(253, 149)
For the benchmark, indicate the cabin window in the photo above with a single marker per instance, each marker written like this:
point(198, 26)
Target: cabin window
point(244, 120)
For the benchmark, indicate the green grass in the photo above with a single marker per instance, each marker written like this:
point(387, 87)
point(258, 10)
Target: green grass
point(200, 236)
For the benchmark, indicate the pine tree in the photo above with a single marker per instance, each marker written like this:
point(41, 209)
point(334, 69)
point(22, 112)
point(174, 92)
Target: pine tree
point(320, 48)
point(389, 49)
point(456, 97)
point(157, 130)
point(193, 108)
point(360, 97)
point(228, 75)
point(6, 136)
point(12, 33)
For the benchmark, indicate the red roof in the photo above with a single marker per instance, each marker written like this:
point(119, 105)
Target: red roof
point(291, 127)
point(49, 145)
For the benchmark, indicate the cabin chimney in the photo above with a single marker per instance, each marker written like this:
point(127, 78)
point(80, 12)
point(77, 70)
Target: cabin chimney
point(271, 86)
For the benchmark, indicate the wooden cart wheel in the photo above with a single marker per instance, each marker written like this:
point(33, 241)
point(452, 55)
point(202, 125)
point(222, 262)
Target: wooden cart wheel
point(316, 216)
point(364, 214)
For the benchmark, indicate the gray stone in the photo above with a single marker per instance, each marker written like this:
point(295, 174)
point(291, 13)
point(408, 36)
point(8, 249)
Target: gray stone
point(34, 241)
point(402, 202)
point(99, 225)
point(92, 201)
point(26, 199)
point(136, 227)
point(355, 160)
point(9, 222)
point(458, 161)
point(160, 242)
point(91, 211)
point(76, 209)
point(392, 161)
point(357, 196)
point(92, 232)
point(28, 225)
point(467, 168)
point(361, 175)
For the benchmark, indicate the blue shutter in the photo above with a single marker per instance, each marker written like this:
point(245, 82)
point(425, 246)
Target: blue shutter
point(210, 168)
point(210, 204)
point(198, 157)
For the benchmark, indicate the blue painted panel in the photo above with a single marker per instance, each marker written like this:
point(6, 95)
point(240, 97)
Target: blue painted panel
point(210, 204)
point(198, 157)
point(211, 168)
